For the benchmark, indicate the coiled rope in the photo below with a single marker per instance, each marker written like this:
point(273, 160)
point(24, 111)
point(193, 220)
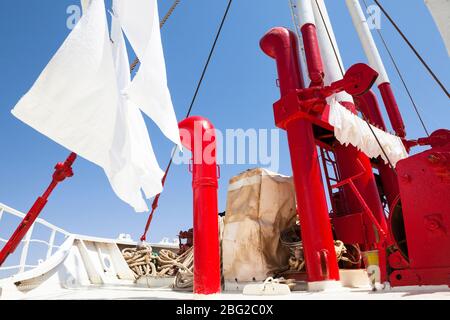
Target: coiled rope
point(144, 262)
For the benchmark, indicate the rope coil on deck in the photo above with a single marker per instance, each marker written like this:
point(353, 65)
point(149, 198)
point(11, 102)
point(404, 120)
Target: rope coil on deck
point(291, 238)
point(144, 262)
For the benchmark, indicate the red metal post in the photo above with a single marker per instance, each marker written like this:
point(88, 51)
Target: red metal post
point(312, 53)
point(321, 264)
point(62, 171)
point(197, 135)
point(392, 109)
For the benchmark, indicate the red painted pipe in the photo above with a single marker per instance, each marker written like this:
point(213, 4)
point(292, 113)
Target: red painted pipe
point(312, 53)
point(321, 265)
point(281, 45)
point(198, 135)
point(392, 109)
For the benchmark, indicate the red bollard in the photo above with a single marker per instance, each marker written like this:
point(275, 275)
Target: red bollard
point(198, 135)
point(321, 264)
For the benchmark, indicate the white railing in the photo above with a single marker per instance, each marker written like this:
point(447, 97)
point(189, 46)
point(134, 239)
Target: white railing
point(24, 254)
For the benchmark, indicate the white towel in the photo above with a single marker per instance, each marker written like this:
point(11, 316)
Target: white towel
point(76, 102)
point(351, 129)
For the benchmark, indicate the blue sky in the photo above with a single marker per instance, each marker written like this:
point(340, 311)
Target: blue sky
point(238, 92)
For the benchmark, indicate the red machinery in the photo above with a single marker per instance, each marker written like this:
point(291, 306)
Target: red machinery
point(420, 218)
point(417, 244)
point(302, 113)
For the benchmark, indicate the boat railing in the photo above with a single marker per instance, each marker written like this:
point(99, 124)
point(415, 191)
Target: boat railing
point(23, 253)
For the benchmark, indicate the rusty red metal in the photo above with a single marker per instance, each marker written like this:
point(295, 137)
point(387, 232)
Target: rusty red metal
point(198, 135)
point(62, 171)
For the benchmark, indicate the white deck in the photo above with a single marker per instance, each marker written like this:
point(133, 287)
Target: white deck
point(133, 293)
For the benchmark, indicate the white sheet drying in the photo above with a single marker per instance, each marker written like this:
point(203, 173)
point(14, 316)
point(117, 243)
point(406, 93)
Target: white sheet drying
point(76, 101)
point(148, 90)
point(351, 129)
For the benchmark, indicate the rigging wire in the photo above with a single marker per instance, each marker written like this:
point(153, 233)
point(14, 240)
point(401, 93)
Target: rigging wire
point(416, 108)
point(342, 71)
point(411, 46)
point(205, 68)
point(161, 24)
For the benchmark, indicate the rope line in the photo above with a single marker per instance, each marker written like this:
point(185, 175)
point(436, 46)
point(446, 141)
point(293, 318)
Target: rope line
point(205, 68)
point(161, 24)
point(144, 262)
point(411, 46)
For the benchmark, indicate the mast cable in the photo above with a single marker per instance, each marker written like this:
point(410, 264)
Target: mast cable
point(161, 24)
point(342, 71)
point(401, 78)
point(411, 46)
point(156, 199)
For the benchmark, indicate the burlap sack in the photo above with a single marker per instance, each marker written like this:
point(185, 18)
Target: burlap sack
point(260, 204)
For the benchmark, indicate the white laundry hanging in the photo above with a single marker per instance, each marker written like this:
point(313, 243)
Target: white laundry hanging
point(148, 90)
point(139, 168)
point(79, 102)
point(351, 129)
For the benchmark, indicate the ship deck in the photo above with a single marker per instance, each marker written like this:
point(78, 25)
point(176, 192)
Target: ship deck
point(136, 293)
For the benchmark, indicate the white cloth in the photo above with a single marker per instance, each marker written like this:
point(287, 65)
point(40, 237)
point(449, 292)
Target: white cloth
point(351, 129)
point(140, 169)
point(440, 10)
point(148, 90)
point(85, 5)
point(77, 103)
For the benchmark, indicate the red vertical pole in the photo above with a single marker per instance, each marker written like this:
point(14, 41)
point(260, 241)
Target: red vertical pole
point(312, 53)
point(197, 135)
point(315, 224)
point(320, 256)
point(391, 106)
